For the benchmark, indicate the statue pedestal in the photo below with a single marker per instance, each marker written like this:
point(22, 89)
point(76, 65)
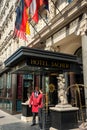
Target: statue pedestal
point(26, 113)
point(63, 117)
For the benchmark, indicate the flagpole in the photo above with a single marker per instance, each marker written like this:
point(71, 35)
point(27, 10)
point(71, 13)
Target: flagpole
point(56, 7)
point(35, 29)
point(43, 19)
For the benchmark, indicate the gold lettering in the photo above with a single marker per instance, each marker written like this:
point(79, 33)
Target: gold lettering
point(46, 63)
point(33, 61)
point(39, 62)
point(67, 65)
point(55, 64)
point(60, 65)
point(63, 65)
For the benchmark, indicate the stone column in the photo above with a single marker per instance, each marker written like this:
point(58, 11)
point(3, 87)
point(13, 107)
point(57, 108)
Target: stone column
point(84, 56)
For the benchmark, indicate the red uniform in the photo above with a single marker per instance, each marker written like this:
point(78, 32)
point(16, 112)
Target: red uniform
point(33, 102)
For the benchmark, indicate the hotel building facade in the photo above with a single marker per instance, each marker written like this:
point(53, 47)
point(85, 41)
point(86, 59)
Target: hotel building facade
point(61, 30)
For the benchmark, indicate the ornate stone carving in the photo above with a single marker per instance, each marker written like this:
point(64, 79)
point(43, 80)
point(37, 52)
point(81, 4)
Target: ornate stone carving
point(62, 94)
point(83, 26)
point(61, 90)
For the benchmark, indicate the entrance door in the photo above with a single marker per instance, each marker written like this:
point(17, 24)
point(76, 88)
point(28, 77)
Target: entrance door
point(53, 95)
point(49, 85)
point(27, 86)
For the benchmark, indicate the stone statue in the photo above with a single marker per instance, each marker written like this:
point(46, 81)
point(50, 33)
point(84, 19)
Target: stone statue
point(62, 96)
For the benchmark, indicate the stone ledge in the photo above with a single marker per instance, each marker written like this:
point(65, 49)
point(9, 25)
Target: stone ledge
point(51, 128)
point(63, 108)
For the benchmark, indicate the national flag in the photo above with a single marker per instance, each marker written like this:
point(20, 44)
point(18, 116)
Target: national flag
point(40, 3)
point(19, 12)
point(24, 19)
point(28, 2)
point(24, 8)
point(34, 6)
point(20, 34)
point(34, 11)
point(27, 28)
point(21, 23)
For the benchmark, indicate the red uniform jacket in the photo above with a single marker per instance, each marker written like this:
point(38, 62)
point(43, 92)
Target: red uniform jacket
point(33, 102)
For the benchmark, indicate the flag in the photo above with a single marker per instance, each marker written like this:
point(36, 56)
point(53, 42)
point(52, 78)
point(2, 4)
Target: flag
point(34, 7)
point(28, 2)
point(27, 28)
point(20, 34)
point(26, 18)
point(40, 3)
point(19, 11)
point(34, 11)
point(24, 21)
point(32, 4)
point(21, 23)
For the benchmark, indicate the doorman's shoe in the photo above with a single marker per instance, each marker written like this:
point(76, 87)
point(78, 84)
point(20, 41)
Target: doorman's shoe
point(33, 124)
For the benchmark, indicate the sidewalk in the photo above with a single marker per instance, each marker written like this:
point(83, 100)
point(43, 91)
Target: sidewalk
point(14, 122)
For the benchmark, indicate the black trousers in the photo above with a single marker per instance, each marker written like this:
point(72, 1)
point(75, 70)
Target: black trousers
point(34, 117)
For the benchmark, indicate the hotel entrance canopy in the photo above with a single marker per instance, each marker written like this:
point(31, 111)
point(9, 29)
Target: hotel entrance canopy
point(28, 60)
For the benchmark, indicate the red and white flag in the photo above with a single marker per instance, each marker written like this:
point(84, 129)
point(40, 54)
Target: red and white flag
point(34, 6)
point(34, 11)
